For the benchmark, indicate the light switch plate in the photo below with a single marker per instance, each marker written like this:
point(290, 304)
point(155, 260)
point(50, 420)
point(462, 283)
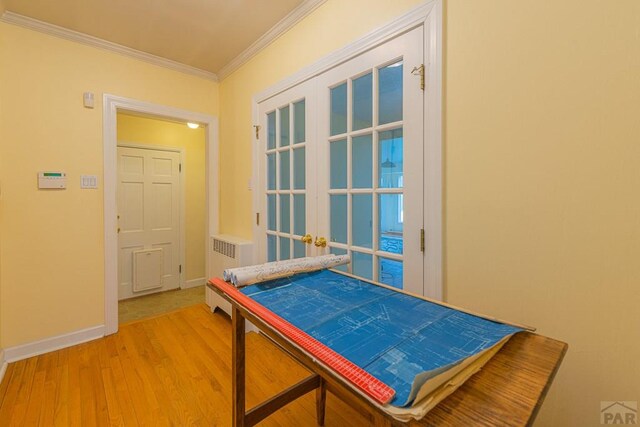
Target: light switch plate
point(88, 181)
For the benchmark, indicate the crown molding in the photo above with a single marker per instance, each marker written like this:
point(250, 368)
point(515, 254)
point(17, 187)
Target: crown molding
point(64, 33)
point(295, 16)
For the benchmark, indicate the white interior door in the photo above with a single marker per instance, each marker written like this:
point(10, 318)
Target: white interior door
point(148, 219)
point(355, 133)
point(370, 195)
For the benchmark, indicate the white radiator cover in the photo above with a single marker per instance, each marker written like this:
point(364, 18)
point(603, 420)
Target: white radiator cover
point(226, 252)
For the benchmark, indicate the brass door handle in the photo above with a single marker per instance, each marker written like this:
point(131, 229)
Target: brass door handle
point(320, 242)
point(307, 238)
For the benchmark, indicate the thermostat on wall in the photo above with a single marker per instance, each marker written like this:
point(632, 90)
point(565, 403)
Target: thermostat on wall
point(52, 180)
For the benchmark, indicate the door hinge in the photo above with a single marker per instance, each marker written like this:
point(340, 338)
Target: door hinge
point(179, 167)
point(180, 269)
point(422, 240)
point(419, 71)
point(257, 218)
point(257, 128)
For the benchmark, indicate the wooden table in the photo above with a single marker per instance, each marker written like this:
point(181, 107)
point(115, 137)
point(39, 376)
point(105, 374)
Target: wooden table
point(508, 391)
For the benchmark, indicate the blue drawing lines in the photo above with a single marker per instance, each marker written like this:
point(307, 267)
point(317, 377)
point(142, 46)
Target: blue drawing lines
point(395, 337)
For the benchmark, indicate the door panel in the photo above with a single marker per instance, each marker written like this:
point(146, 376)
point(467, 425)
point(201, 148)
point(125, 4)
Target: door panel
point(370, 141)
point(148, 209)
point(286, 174)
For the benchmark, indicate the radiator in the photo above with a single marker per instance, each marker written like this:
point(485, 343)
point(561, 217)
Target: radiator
point(226, 252)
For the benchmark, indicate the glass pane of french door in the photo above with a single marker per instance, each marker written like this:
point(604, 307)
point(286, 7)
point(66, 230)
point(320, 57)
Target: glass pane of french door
point(370, 188)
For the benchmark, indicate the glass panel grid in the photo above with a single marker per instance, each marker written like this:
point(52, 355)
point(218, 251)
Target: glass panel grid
point(285, 169)
point(390, 93)
point(299, 124)
point(286, 181)
point(338, 109)
point(362, 166)
point(284, 126)
point(361, 161)
point(271, 130)
point(362, 102)
point(299, 168)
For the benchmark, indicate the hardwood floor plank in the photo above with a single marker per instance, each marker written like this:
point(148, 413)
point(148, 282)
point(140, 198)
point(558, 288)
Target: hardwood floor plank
point(145, 400)
point(35, 405)
point(61, 411)
point(4, 386)
point(177, 370)
point(74, 409)
point(22, 400)
point(47, 368)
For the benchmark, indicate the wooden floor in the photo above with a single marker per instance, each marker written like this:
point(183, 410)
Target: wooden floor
point(174, 369)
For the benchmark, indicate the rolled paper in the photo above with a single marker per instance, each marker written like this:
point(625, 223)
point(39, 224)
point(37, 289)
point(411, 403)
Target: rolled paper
point(243, 276)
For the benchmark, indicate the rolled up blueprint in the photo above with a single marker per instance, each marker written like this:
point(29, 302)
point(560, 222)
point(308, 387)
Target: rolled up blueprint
point(243, 276)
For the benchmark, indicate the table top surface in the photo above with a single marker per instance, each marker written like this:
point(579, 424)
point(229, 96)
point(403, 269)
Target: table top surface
point(508, 390)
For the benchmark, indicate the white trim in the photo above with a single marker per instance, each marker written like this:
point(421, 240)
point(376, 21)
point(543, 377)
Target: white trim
point(64, 33)
point(3, 365)
point(111, 105)
point(429, 15)
point(182, 220)
point(433, 169)
point(194, 283)
point(398, 26)
point(286, 23)
point(24, 351)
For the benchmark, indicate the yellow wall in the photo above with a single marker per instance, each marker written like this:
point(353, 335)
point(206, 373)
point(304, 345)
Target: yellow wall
point(542, 183)
point(148, 131)
point(542, 172)
point(52, 269)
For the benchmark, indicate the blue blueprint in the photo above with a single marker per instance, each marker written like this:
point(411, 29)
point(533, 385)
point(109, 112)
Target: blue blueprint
point(391, 335)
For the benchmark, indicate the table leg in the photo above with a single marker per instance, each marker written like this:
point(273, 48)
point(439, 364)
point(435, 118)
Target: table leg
point(321, 401)
point(237, 367)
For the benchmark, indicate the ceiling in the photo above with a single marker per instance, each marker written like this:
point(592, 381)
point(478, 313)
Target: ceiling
point(204, 34)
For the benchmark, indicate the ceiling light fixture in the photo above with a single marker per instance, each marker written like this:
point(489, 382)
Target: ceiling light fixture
point(193, 125)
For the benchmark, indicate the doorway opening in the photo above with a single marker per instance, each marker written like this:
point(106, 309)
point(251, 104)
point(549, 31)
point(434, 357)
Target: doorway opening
point(161, 209)
point(154, 244)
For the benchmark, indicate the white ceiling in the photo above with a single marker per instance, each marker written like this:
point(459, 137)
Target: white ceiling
point(204, 34)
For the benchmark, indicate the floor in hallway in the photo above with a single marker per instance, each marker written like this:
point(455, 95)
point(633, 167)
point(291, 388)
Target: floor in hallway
point(160, 303)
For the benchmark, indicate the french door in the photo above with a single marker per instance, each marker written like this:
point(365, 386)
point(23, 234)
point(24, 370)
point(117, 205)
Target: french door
point(341, 160)
point(288, 173)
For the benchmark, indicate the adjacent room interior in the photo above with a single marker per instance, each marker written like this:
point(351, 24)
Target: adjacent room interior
point(482, 155)
point(161, 179)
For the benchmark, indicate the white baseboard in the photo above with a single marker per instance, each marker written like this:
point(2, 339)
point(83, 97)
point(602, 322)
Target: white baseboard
point(3, 365)
point(194, 283)
point(24, 351)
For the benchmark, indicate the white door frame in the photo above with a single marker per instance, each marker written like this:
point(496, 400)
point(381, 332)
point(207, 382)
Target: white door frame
point(112, 105)
point(429, 15)
point(183, 196)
